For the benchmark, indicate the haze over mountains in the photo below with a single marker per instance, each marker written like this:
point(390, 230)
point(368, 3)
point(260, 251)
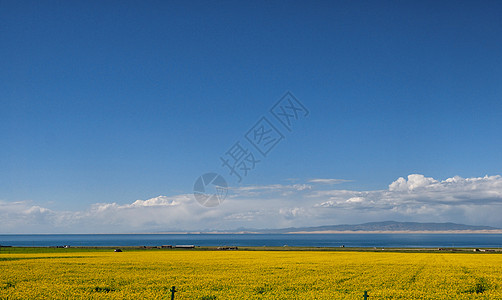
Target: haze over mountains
point(390, 226)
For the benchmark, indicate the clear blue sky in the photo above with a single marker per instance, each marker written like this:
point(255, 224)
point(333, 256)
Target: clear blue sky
point(114, 101)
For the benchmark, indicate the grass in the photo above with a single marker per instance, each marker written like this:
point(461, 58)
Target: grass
point(34, 250)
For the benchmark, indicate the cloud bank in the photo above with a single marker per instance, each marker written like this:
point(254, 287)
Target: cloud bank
point(476, 201)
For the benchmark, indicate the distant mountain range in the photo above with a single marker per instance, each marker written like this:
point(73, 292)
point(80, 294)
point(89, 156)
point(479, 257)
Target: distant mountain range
point(390, 226)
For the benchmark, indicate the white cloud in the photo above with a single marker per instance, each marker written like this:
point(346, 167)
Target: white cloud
point(272, 187)
point(475, 200)
point(24, 216)
point(465, 200)
point(478, 190)
point(161, 201)
point(327, 181)
point(414, 181)
point(356, 200)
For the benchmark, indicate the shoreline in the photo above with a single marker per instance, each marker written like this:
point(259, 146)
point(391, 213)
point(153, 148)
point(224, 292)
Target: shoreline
point(488, 231)
point(496, 231)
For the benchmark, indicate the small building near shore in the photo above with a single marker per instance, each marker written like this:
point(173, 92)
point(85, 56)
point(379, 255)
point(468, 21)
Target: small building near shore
point(184, 246)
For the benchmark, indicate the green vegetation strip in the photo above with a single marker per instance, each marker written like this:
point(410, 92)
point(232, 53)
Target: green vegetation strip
point(26, 250)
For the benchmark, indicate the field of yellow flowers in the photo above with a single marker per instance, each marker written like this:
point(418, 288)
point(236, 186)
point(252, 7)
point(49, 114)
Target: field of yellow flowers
point(250, 275)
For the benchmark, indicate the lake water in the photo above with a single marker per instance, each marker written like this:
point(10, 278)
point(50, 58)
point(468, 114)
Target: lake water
point(299, 240)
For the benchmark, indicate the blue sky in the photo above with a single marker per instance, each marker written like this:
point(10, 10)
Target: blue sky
point(106, 103)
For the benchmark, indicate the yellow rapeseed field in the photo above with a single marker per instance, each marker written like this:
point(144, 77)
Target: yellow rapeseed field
point(250, 275)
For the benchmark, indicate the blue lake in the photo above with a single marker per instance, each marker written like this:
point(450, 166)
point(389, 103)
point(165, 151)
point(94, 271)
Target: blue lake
point(300, 240)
